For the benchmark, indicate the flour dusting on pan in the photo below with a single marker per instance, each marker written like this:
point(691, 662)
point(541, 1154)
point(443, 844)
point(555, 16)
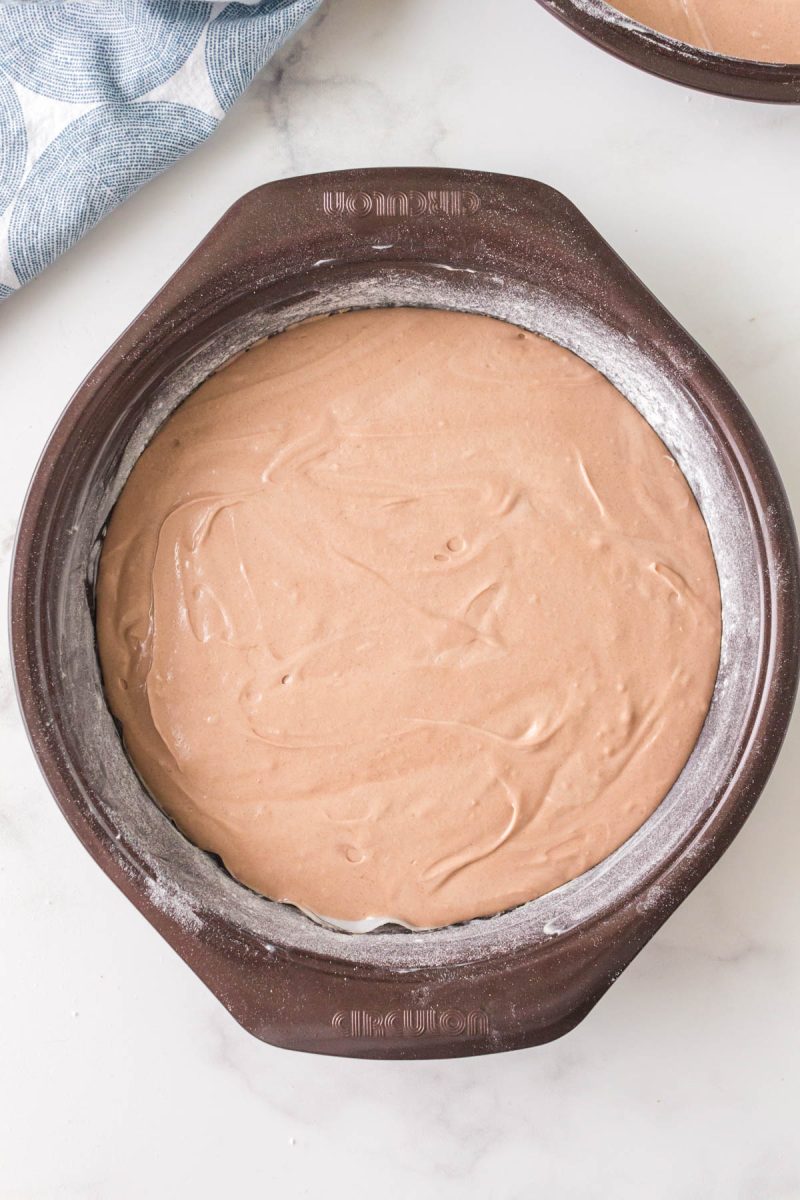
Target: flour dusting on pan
point(186, 883)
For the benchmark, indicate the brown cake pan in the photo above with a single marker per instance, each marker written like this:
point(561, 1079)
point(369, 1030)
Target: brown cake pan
point(740, 78)
point(509, 248)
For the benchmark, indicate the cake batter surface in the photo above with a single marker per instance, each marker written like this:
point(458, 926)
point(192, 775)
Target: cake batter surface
point(408, 614)
point(763, 30)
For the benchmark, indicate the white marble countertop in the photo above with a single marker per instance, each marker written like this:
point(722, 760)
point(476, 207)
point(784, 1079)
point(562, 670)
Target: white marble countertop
point(122, 1077)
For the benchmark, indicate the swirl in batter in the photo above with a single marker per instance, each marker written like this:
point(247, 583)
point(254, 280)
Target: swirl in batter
point(408, 613)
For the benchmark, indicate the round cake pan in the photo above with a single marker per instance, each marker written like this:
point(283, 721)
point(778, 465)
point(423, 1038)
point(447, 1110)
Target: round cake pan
point(513, 249)
point(741, 78)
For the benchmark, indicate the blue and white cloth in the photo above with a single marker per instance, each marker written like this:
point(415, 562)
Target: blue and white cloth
point(97, 97)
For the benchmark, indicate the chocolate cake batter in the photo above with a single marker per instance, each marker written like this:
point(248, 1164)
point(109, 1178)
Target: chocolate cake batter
point(765, 30)
point(410, 614)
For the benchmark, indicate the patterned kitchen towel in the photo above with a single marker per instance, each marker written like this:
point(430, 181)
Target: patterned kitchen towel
point(97, 97)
